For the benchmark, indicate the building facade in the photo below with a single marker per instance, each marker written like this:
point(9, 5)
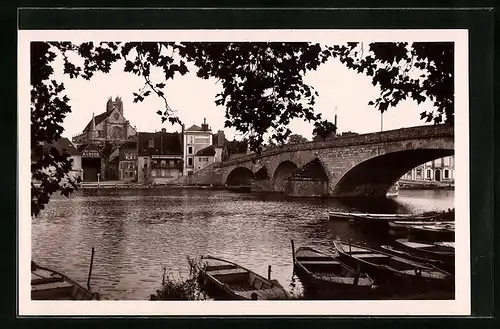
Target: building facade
point(439, 170)
point(102, 137)
point(92, 164)
point(110, 125)
point(159, 157)
point(195, 139)
point(127, 167)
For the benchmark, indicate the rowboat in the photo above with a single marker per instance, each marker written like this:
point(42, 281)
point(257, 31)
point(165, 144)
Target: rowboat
point(320, 271)
point(232, 281)
point(48, 284)
point(381, 218)
point(444, 252)
point(398, 252)
point(431, 233)
point(387, 268)
point(405, 225)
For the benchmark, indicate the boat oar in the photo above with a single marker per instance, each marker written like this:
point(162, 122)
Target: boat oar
point(293, 256)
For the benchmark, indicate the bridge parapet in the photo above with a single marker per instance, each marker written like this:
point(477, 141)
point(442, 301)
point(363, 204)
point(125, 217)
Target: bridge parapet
point(426, 131)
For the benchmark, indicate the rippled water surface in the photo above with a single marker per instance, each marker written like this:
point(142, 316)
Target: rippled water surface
point(136, 233)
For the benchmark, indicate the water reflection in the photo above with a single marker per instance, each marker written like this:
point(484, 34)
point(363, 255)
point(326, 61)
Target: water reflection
point(136, 233)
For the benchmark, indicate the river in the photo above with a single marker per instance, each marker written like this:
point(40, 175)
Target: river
point(138, 232)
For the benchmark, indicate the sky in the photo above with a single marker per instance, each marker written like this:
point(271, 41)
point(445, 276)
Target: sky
point(340, 90)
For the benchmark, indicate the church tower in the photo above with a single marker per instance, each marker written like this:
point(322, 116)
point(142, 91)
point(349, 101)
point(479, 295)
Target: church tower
point(109, 105)
point(119, 104)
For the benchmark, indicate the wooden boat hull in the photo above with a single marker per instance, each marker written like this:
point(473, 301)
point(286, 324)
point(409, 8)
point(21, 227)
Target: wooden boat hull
point(387, 269)
point(401, 253)
point(446, 255)
point(431, 233)
point(227, 280)
point(48, 284)
point(405, 225)
point(319, 271)
point(380, 218)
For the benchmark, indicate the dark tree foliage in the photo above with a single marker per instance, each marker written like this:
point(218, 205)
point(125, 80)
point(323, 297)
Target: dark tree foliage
point(419, 71)
point(324, 129)
point(296, 139)
point(262, 86)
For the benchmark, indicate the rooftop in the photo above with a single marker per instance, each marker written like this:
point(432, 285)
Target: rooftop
point(159, 143)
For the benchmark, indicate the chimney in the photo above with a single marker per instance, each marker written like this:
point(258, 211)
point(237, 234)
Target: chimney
point(204, 126)
point(163, 130)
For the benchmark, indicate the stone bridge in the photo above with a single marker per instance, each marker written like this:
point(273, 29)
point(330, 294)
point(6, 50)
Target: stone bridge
point(361, 165)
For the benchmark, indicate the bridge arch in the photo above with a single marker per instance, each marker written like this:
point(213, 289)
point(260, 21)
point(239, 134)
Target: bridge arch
point(261, 174)
point(239, 176)
point(374, 176)
point(284, 171)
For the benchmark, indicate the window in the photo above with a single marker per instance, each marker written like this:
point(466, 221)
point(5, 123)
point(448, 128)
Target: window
point(163, 173)
point(190, 161)
point(153, 173)
point(446, 173)
point(202, 140)
point(190, 150)
point(191, 140)
point(163, 163)
point(151, 143)
point(419, 173)
point(428, 174)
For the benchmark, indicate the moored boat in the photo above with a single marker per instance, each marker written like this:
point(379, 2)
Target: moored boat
point(321, 271)
point(48, 284)
point(381, 218)
point(431, 233)
point(387, 268)
point(444, 252)
point(407, 255)
point(232, 281)
point(405, 225)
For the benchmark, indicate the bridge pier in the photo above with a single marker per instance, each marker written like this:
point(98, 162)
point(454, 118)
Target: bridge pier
point(262, 185)
point(306, 187)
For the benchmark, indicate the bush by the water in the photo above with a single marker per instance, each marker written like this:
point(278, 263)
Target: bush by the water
point(181, 289)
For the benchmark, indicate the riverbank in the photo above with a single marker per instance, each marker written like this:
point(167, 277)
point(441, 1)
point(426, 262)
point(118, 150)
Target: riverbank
point(425, 185)
point(138, 186)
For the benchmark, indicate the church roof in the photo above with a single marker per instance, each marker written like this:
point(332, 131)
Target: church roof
point(98, 119)
point(163, 143)
point(207, 151)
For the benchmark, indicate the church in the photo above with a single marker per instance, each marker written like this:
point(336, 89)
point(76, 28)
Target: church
point(110, 125)
point(100, 140)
